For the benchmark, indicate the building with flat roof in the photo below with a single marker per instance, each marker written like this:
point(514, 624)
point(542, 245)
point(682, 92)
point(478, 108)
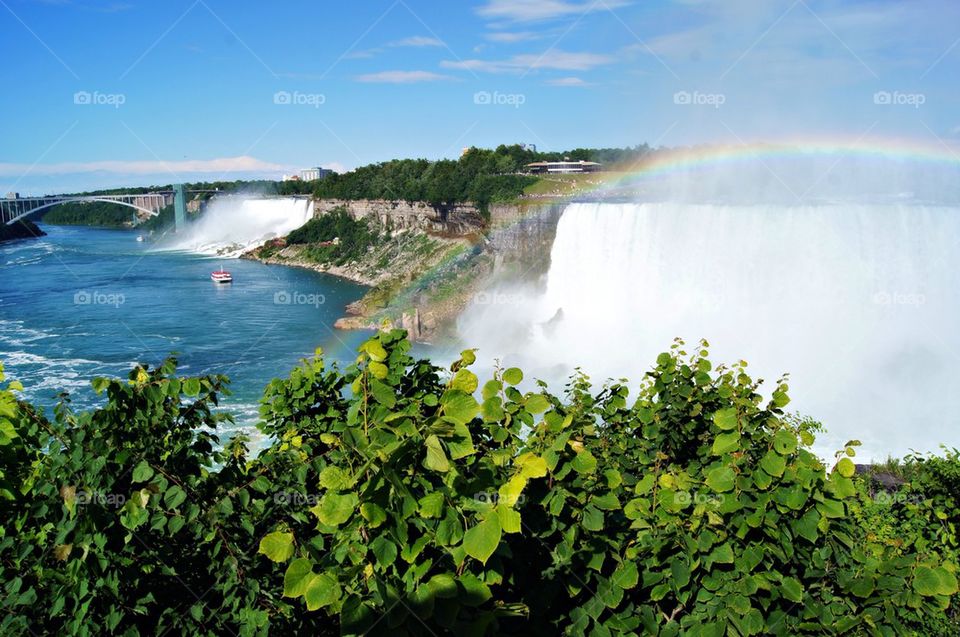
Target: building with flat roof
point(313, 174)
point(539, 167)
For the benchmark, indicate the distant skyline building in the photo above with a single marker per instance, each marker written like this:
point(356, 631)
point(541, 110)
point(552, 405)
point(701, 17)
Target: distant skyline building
point(315, 173)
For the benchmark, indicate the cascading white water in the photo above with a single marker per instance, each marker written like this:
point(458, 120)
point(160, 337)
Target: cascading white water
point(232, 225)
point(857, 302)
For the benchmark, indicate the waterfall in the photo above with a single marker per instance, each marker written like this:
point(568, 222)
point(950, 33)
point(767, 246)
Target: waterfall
point(232, 225)
point(857, 302)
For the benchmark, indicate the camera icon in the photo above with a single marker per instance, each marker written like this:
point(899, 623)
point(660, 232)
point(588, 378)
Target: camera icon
point(882, 97)
point(82, 97)
point(482, 97)
point(82, 298)
point(882, 298)
point(282, 298)
point(682, 97)
point(282, 97)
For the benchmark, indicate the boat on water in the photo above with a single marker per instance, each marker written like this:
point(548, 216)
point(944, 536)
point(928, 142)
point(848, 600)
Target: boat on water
point(140, 238)
point(221, 276)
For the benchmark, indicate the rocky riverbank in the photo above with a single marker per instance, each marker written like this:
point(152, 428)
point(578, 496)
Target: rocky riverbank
point(20, 230)
point(429, 262)
point(406, 272)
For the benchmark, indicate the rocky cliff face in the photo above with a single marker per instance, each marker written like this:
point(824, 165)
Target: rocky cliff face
point(518, 237)
point(521, 237)
point(437, 258)
point(457, 219)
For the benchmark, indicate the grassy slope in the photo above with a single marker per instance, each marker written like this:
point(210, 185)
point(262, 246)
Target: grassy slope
point(563, 186)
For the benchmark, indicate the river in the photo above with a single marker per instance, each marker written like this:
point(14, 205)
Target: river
point(84, 302)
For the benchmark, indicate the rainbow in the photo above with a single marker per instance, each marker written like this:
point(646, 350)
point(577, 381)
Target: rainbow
point(669, 161)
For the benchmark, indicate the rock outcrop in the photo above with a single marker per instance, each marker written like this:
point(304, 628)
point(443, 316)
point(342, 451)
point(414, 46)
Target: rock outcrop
point(436, 260)
point(22, 229)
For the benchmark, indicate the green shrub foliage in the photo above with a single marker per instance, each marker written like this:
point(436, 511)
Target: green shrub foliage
point(395, 497)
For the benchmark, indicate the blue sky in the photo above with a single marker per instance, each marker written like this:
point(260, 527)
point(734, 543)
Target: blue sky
point(114, 92)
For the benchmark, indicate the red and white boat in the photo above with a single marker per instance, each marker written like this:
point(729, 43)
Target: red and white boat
point(221, 276)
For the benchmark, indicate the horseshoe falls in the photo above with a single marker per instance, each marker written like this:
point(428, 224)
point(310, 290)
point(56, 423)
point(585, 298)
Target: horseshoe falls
point(858, 303)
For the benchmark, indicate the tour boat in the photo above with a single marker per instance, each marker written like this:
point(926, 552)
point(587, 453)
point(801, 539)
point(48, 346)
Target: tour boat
point(140, 237)
point(221, 276)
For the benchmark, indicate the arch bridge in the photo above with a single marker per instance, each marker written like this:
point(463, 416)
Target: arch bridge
point(15, 208)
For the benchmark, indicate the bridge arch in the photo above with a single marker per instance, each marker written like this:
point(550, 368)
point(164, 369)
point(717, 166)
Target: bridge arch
point(23, 215)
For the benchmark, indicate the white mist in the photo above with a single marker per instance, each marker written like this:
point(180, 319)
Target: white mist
point(232, 225)
point(858, 302)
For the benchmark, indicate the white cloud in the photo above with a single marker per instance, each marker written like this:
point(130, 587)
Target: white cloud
point(417, 41)
point(551, 59)
point(510, 37)
point(402, 77)
point(567, 81)
point(537, 10)
point(221, 165)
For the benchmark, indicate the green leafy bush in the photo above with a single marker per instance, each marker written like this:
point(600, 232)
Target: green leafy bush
point(336, 237)
point(395, 497)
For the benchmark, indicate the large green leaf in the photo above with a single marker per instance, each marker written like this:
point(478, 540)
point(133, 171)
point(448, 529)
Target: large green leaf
point(513, 376)
point(536, 403)
point(436, 458)
point(785, 442)
point(322, 590)
point(481, 540)
point(584, 462)
point(773, 463)
point(792, 589)
point(383, 393)
point(725, 443)
point(459, 406)
point(531, 465)
point(277, 546)
point(460, 443)
point(142, 472)
point(721, 479)
point(334, 509)
point(846, 468)
point(726, 419)
point(298, 576)
point(465, 381)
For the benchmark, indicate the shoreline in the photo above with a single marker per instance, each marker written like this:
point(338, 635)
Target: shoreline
point(340, 272)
